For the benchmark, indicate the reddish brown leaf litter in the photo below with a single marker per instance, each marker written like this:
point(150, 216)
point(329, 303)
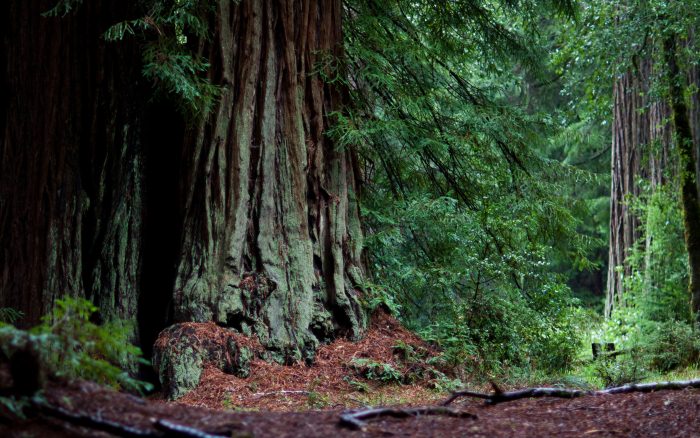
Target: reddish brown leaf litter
point(663, 414)
point(275, 401)
point(326, 384)
point(208, 332)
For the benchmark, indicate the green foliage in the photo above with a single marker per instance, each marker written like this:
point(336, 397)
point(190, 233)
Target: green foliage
point(75, 347)
point(317, 400)
point(13, 408)
point(63, 8)
point(657, 285)
point(463, 213)
point(68, 345)
point(373, 370)
point(179, 73)
point(671, 345)
point(628, 368)
point(357, 385)
point(8, 315)
point(169, 61)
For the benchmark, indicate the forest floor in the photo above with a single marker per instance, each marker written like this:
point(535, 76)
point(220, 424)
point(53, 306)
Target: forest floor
point(387, 368)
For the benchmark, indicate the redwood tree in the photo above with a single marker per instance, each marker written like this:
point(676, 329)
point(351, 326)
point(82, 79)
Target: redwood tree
point(262, 233)
point(271, 237)
point(71, 195)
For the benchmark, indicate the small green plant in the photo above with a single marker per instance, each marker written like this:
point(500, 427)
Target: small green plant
point(227, 402)
point(71, 346)
point(75, 347)
point(68, 345)
point(442, 383)
point(9, 315)
point(356, 384)
point(317, 400)
point(621, 370)
point(373, 370)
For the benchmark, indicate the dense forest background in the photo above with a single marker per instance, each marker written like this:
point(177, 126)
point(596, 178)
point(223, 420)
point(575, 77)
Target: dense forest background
point(513, 180)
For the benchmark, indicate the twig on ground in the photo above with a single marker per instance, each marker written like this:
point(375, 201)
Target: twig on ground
point(500, 397)
point(282, 392)
point(357, 419)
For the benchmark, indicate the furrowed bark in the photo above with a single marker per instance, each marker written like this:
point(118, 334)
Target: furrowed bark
point(70, 161)
point(271, 236)
point(630, 133)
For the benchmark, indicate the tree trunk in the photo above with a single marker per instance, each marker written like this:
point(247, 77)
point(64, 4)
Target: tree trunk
point(70, 161)
point(630, 134)
point(271, 236)
point(688, 184)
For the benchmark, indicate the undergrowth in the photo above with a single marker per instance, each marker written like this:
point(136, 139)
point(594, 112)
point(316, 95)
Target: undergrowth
point(68, 345)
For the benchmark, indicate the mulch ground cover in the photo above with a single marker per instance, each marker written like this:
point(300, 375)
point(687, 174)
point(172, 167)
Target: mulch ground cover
point(279, 401)
point(662, 413)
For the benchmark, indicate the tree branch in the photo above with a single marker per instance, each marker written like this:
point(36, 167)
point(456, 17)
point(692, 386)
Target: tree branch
point(500, 397)
point(356, 419)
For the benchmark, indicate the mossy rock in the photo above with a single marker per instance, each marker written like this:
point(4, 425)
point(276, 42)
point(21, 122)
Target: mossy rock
point(183, 350)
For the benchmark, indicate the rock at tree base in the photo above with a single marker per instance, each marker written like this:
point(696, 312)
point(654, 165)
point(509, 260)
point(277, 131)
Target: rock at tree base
point(183, 350)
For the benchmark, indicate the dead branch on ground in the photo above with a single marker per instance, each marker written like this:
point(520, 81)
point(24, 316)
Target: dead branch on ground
point(357, 419)
point(282, 392)
point(499, 396)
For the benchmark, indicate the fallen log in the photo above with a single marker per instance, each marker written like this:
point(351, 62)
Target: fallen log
point(357, 419)
point(499, 396)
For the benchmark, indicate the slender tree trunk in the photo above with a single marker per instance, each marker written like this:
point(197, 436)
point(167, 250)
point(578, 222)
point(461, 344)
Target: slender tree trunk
point(688, 183)
point(271, 237)
point(70, 161)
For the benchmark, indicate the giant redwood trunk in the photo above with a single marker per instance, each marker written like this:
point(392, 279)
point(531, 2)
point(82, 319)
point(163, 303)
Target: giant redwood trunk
point(248, 217)
point(271, 236)
point(70, 161)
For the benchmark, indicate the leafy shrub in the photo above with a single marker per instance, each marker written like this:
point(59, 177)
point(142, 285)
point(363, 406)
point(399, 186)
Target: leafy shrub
point(373, 370)
point(71, 346)
point(9, 315)
point(621, 370)
point(670, 345)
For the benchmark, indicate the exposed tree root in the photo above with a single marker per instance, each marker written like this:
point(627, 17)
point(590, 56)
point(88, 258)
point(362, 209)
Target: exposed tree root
point(166, 429)
point(83, 420)
point(499, 396)
point(177, 430)
point(357, 419)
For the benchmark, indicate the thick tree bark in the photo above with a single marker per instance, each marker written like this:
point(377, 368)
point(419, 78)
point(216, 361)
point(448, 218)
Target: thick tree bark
point(642, 137)
point(630, 133)
point(271, 238)
point(70, 161)
point(263, 233)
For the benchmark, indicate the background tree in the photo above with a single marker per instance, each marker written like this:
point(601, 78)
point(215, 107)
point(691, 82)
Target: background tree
point(71, 172)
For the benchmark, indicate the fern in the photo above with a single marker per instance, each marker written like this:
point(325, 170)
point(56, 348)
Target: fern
point(9, 315)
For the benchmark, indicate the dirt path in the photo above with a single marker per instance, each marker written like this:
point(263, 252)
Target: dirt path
point(663, 413)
